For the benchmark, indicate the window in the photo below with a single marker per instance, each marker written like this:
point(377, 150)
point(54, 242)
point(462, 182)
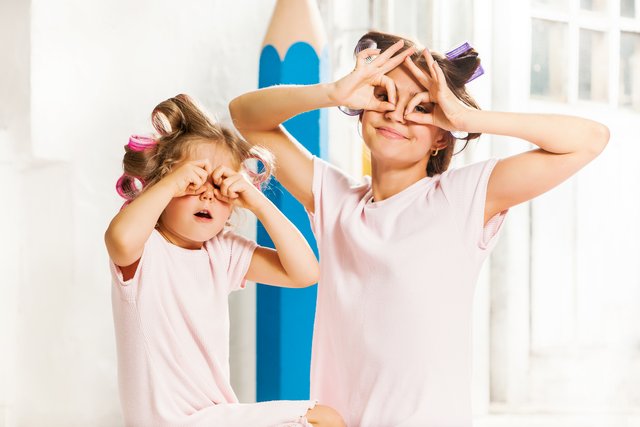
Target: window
point(549, 59)
point(629, 86)
point(592, 69)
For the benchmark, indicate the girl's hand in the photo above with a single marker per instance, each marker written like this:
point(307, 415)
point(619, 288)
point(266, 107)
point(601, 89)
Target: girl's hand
point(437, 106)
point(356, 90)
point(234, 187)
point(189, 178)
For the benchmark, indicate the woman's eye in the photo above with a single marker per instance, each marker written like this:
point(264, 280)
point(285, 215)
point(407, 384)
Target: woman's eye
point(382, 96)
point(424, 109)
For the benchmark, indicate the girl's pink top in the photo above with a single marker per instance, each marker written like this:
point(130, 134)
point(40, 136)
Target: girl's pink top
point(392, 338)
point(172, 335)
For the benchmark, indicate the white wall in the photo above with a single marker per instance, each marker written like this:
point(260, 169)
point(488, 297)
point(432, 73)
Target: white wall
point(77, 79)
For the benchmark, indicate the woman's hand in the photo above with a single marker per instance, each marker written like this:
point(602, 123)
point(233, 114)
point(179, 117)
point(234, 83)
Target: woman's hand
point(356, 90)
point(189, 178)
point(445, 110)
point(234, 187)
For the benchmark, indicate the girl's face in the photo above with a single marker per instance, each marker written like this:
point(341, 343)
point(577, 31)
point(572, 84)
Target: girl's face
point(184, 222)
point(394, 140)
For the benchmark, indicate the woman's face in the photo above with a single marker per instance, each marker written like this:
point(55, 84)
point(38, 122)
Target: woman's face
point(390, 137)
point(188, 221)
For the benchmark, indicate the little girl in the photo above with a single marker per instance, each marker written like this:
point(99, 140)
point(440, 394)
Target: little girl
point(173, 267)
point(401, 250)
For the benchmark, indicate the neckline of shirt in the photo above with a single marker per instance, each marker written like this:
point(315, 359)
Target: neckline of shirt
point(369, 203)
point(179, 249)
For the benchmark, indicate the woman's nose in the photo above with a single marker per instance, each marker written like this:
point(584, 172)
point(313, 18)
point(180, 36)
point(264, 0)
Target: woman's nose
point(396, 115)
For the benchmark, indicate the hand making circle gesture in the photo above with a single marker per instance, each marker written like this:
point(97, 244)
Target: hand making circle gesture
point(356, 89)
point(448, 111)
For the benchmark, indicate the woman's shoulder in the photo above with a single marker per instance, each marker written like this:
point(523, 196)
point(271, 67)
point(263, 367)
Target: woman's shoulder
point(335, 178)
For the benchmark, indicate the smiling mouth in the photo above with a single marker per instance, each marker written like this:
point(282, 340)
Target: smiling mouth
point(203, 214)
point(389, 133)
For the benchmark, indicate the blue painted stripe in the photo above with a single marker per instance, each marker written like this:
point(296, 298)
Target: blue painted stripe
point(285, 316)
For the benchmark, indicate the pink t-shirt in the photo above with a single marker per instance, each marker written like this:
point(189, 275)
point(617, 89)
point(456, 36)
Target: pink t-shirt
point(392, 336)
point(172, 335)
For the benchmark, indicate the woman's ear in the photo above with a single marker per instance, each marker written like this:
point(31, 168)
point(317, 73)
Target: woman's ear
point(443, 139)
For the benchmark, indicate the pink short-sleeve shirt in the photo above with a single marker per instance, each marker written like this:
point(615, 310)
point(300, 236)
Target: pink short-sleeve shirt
point(392, 335)
point(172, 337)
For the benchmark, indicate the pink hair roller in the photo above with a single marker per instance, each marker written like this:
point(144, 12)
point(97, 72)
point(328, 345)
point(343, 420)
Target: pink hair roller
point(257, 178)
point(128, 187)
point(140, 143)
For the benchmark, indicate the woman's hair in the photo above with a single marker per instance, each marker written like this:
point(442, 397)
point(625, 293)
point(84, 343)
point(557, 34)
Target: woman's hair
point(181, 124)
point(457, 72)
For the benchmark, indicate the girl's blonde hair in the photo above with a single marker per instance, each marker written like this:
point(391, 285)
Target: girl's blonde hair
point(181, 124)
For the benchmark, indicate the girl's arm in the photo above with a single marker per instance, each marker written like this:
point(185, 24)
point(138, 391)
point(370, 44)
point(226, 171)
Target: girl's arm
point(131, 227)
point(292, 264)
point(566, 143)
point(258, 115)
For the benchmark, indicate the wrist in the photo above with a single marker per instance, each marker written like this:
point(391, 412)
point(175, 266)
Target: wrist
point(261, 207)
point(331, 93)
point(167, 187)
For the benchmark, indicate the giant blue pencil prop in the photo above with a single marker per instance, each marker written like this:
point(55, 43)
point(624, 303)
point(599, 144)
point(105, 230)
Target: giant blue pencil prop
point(285, 316)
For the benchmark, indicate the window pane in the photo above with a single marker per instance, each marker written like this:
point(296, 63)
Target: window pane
point(628, 8)
point(548, 59)
point(594, 5)
point(592, 72)
point(551, 4)
point(630, 70)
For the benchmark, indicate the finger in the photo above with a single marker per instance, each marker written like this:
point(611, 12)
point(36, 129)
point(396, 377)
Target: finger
point(422, 77)
point(220, 173)
point(194, 189)
point(219, 196)
point(419, 98)
point(202, 175)
point(227, 182)
point(431, 63)
point(440, 74)
point(236, 188)
point(423, 119)
point(204, 164)
point(396, 60)
point(202, 189)
point(388, 83)
point(428, 57)
point(391, 50)
point(364, 54)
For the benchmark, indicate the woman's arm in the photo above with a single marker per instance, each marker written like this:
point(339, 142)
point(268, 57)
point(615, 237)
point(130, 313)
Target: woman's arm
point(258, 115)
point(566, 143)
point(292, 264)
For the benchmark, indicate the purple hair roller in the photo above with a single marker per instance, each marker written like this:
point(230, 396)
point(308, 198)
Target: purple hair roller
point(457, 52)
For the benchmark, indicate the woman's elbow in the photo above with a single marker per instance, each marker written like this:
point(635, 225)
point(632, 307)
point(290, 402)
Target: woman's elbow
point(600, 138)
point(310, 277)
point(234, 108)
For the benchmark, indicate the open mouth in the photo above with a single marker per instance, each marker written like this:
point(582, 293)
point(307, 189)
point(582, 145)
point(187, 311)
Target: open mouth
point(203, 214)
